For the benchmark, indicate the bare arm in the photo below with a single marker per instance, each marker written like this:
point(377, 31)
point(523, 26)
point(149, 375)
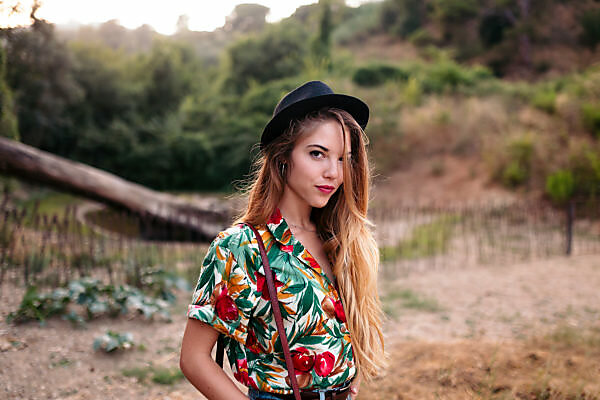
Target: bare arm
point(198, 366)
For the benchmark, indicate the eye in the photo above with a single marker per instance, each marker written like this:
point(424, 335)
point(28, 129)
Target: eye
point(317, 154)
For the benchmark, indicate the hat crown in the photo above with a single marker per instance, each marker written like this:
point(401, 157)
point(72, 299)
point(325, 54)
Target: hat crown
point(308, 90)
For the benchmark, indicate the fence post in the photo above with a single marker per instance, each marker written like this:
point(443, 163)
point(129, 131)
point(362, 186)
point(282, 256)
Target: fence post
point(570, 218)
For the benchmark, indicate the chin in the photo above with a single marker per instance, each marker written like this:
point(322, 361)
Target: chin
point(320, 203)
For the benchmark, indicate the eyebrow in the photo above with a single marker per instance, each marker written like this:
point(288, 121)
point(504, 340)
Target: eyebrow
point(325, 149)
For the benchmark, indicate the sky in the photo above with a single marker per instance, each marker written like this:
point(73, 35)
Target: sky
point(204, 15)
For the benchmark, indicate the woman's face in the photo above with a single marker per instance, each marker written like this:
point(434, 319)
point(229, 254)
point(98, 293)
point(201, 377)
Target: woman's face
point(316, 166)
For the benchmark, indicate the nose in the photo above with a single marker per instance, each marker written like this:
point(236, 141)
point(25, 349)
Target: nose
point(333, 170)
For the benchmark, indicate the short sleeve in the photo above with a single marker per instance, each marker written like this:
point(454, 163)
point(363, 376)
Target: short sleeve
point(224, 295)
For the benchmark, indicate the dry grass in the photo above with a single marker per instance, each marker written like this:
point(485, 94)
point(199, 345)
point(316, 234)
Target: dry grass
point(564, 365)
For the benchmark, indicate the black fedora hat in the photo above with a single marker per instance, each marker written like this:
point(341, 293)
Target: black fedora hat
point(308, 97)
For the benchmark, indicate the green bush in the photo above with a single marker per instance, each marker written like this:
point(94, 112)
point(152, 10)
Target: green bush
point(518, 168)
point(545, 100)
point(448, 76)
point(421, 38)
point(590, 25)
point(112, 341)
point(401, 17)
point(453, 11)
point(94, 298)
point(514, 174)
point(591, 118)
point(276, 53)
point(364, 20)
point(377, 74)
point(560, 185)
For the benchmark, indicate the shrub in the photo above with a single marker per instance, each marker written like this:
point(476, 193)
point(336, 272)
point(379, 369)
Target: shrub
point(545, 100)
point(95, 299)
point(422, 37)
point(560, 185)
point(591, 118)
point(514, 174)
point(112, 341)
point(518, 167)
point(377, 74)
point(448, 75)
point(401, 17)
point(590, 24)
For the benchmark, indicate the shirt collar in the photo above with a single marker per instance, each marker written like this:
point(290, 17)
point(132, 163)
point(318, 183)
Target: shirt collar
point(282, 233)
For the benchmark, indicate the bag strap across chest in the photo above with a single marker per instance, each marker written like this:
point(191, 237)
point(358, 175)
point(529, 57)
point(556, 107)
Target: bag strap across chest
point(269, 276)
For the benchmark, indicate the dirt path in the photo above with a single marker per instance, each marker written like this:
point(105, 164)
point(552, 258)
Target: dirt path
point(437, 312)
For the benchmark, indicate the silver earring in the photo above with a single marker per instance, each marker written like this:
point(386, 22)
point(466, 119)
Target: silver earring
point(282, 169)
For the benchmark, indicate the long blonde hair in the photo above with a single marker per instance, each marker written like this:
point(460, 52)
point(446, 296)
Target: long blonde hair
point(342, 225)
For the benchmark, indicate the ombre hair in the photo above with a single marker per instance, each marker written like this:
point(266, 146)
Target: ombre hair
point(342, 225)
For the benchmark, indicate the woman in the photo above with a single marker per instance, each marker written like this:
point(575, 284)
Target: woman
point(309, 202)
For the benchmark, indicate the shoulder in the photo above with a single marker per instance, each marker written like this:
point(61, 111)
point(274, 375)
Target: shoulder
point(238, 239)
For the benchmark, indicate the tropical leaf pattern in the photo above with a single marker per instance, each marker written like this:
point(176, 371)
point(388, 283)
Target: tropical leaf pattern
point(231, 295)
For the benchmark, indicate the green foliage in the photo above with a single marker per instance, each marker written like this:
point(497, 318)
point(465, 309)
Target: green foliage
point(93, 298)
point(39, 71)
point(455, 10)
point(492, 29)
point(402, 17)
point(545, 100)
point(426, 240)
point(518, 168)
point(112, 341)
point(585, 166)
point(167, 376)
point(8, 119)
point(276, 53)
point(447, 75)
point(422, 38)
point(590, 25)
point(411, 299)
point(377, 74)
point(321, 42)
point(161, 375)
point(560, 185)
point(40, 306)
point(358, 26)
point(591, 117)
point(247, 18)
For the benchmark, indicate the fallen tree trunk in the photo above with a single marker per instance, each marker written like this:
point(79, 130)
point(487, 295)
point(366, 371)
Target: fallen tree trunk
point(39, 166)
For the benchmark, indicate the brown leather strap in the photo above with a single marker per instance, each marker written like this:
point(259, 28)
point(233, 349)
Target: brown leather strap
point(277, 313)
point(220, 351)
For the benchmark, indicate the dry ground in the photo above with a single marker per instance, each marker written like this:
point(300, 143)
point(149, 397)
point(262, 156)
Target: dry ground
point(527, 331)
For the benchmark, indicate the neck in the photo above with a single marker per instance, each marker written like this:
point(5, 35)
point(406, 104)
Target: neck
point(294, 209)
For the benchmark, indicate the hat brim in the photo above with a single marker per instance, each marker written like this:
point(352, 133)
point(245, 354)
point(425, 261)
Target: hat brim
point(356, 107)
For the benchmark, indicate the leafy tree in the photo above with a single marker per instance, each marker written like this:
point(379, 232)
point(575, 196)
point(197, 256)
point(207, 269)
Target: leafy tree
point(169, 71)
point(321, 43)
point(276, 53)
point(246, 18)
point(39, 71)
point(402, 17)
point(8, 119)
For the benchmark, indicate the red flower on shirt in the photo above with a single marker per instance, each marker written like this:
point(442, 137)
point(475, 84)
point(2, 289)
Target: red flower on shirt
point(261, 285)
point(225, 307)
point(339, 311)
point(313, 263)
point(275, 217)
point(303, 359)
point(324, 363)
point(252, 343)
point(288, 248)
point(242, 373)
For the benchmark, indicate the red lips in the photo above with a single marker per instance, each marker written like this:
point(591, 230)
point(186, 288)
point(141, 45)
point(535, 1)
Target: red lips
point(325, 188)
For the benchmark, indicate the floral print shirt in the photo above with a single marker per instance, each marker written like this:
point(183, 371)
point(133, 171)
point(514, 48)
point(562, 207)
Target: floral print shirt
point(232, 296)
